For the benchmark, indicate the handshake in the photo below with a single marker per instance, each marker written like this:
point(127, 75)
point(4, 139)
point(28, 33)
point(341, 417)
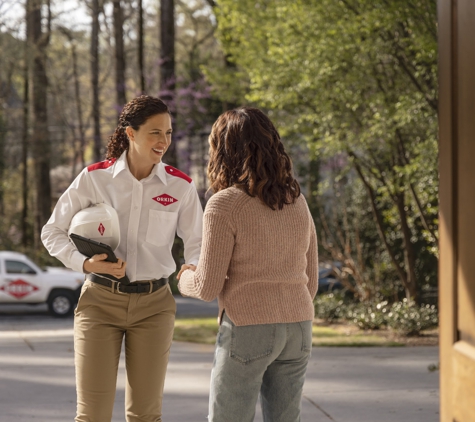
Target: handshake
point(185, 267)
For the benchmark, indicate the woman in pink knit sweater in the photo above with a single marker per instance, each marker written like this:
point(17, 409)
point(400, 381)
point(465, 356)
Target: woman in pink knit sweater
point(259, 257)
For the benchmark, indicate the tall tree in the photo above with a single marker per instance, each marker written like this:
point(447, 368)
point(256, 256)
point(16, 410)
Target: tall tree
point(167, 64)
point(96, 115)
point(119, 54)
point(5, 88)
point(79, 148)
point(25, 235)
point(3, 132)
point(41, 147)
point(140, 47)
point(167, 52)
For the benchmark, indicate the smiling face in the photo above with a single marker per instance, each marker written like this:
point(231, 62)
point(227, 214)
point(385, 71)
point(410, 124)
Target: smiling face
point(148, 144)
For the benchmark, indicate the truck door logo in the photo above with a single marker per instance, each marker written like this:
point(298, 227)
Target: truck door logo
point(19, 288)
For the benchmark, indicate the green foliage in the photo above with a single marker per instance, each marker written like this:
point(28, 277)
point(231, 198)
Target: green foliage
point(330, 307)
point(409, 319)
point(405, 317)
point(369, 316)
point(196, 330)
point(351, 84)
point(356, 79)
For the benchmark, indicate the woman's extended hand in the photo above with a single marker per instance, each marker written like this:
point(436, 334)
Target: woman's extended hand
point(98, 265)
point(185, 267)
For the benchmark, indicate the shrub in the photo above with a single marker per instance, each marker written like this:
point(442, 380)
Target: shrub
point(405, 317)
point(408, 318)
point(369, 316)
point(330, 307)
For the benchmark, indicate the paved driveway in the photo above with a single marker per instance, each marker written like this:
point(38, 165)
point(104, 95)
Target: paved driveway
point(343, 384)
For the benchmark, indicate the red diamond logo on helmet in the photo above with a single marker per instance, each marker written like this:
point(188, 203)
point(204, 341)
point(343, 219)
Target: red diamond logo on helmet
point(165, 199)
point(101, 229)
point(19, 288)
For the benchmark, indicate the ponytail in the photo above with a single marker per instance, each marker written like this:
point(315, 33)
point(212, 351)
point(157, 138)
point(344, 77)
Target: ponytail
point(118, 143)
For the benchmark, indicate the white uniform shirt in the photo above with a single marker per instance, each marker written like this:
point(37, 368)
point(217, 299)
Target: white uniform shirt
point(150, 212)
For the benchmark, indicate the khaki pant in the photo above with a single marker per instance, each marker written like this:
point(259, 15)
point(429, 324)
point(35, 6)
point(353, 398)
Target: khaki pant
point(102, 320)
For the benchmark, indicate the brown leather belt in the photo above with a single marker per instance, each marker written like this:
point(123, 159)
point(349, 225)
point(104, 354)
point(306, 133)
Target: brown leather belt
point(135, 287)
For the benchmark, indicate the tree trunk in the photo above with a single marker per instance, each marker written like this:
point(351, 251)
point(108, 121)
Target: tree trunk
point(405, 160)
point(25, 232)
point(406, 270)
point(141, 48)
point(409, 257)
point(78, 150)
point(2, 161)
point(380, 225)
point(119, 55)
point(41, 143)
point(167, 54)
point(5, 92)
point(77, 95)
point(95, 80)
point(167, 65)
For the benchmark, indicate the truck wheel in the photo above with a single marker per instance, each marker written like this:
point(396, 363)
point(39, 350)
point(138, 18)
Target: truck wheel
point(61, 303)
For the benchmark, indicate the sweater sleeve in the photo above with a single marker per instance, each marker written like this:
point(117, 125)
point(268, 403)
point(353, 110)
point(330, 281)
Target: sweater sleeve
point(312, 262)
point(218, 242)
point(190, 226)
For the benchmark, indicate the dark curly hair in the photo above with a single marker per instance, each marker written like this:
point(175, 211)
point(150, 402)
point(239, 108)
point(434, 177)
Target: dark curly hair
point(246, 152)
point(134, 114)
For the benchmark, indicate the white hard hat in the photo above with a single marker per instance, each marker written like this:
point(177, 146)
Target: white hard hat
point(99, 222)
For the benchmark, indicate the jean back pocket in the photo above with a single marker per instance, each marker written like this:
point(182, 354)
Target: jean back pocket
point(252, 342)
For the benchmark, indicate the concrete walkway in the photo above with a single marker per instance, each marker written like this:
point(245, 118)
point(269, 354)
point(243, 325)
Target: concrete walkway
point(343, 384)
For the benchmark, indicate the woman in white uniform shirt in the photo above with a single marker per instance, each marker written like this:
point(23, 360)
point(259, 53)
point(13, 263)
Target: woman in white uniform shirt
point(153, 201)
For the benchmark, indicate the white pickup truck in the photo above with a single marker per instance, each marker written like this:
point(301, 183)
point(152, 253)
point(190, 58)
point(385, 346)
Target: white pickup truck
point(22, 281)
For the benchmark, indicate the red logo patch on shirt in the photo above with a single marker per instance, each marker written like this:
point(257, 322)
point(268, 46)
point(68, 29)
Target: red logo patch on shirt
point(101, 229)
point(19, 288)
point(165, 199)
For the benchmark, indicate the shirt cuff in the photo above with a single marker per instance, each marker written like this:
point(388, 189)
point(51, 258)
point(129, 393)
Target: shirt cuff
point(193, 262)
point(77, 261)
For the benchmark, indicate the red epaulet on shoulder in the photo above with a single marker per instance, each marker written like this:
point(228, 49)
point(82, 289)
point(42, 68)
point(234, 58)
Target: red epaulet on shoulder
point(172, 171)
point(102, 165)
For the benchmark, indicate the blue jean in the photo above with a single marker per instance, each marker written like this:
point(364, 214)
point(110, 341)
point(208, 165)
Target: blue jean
point(269, 358)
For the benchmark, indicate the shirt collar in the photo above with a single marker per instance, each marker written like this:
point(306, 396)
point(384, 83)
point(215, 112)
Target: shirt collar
point(121, 164)
point(161, 173)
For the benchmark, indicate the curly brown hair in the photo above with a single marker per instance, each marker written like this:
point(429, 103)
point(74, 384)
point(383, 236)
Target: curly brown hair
point(246, 152)
point(134, 114)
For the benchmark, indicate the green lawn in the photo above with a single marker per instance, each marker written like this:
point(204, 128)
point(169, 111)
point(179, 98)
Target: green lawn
point(196, 330)
point(204, 330)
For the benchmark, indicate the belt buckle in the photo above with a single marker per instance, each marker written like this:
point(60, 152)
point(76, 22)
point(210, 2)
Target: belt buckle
point(118, 290)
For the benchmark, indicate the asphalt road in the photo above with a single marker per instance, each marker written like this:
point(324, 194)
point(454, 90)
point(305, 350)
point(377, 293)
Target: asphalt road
point(18, 317)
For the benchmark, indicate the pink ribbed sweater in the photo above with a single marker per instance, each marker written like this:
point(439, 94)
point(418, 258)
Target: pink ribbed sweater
point(261, 264)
